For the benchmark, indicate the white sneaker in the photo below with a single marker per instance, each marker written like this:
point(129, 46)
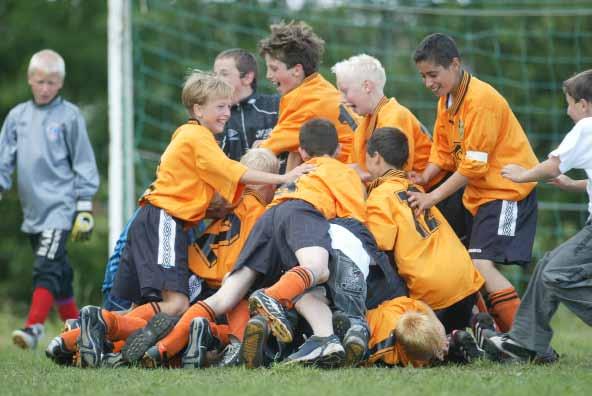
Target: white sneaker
point(28, 337)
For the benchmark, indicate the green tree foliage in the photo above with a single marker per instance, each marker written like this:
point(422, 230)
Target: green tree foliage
point(77, 30)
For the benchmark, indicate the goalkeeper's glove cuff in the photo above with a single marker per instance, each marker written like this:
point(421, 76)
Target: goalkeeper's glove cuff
point(84, 206)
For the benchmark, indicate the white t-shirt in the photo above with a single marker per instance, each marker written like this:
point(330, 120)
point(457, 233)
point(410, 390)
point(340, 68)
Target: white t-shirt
point(351, 246)
point(575, 152)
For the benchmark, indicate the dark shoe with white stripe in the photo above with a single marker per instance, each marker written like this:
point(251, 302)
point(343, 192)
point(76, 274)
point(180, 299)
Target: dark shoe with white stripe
point(56, 351)
point(480, 322)
point(231, 356)
point(92, 336)
point(266, 306)
point(501, 348)
point(138, 342)
point(28, 337)
point(200, 341)
point(324, 352)
point(463, 348)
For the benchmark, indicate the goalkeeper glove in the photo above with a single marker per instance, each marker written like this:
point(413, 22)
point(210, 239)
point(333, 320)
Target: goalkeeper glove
point(84, 221)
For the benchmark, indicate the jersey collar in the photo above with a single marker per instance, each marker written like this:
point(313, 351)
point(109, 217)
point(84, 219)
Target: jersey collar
point(460, 93)
point(388, 175)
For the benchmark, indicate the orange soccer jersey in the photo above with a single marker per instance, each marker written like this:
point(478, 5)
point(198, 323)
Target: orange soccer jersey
point(389, 113)
point(314, 98)
point(382, 322)
point(191, 170)
point(430, 258)
point(213, 255)
point(333, 188)
point(476, 136)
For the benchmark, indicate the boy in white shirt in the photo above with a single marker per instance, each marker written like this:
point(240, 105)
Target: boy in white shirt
point(564, 274)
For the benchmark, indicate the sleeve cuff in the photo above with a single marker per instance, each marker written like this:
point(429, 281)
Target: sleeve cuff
point(84, 206)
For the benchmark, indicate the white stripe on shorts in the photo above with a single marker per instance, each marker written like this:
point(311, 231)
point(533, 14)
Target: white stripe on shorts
point(508, 218)
point(166, 240)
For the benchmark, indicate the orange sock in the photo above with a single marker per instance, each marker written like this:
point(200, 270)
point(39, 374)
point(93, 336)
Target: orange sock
point(145, 311)
point(179, 336)
point(117, 345)
point(292, 284)
point(237, 319)
point(221, 332)
point(71, 339)
point(503, 306)
point(119, 327)
point(480, 303)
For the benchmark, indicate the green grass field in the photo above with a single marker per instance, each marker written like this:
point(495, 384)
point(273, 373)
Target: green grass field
point(30, 373)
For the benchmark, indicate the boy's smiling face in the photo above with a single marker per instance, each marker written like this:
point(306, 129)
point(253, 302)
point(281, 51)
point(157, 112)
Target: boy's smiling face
point(44, 86)
point(285, 79)
point(439, 79)
point(354, 94)
point(213, 114)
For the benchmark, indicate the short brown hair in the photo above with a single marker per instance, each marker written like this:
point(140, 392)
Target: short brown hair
point(244, 60)
point(201, 87)
point(579, 86)
point(294, 43)
point(318, 137)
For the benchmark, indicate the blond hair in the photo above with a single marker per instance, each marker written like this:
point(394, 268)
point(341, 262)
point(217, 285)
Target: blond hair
point(360, 68)
point(262, 160)
point(47, 61)
point(201, 87)
point(421, 335)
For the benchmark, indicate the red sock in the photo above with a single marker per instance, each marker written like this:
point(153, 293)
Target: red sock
point(503, 306)
point(41, 303)
point(67, 308)
point(292, 284)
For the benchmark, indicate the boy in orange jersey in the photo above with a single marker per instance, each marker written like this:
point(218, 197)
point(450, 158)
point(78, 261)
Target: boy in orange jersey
point(210, 258)
point(154, 261)
point(429, 256)
point(474, 135)
point(406, 332)
point(291, 238)
point(361, 80)
point(292, 54)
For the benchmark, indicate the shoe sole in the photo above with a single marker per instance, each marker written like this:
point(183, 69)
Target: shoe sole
point(195, 354)
point(140, 341)
point(341, 325)
point(354, 352)
point(253, 343)
point(149, 362)
point(91, 348)
point(19, 341)
point(277, 327)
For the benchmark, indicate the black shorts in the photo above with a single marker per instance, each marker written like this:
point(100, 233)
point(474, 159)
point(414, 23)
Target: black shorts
point(503, 231)
point(456, 214)
point(458, 315)
point(52, 269)
point(154, 258)
point(281, 231)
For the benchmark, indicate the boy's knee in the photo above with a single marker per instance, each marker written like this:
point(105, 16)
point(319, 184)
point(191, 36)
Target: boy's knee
point(174, 304)
point(320, 272)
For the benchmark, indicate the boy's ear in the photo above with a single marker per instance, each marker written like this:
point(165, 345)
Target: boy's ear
point(368, 86)
point(456, 64)
point(248, 78)
point(297, 71)
point(337, 151)
point(303, 154)
point(196, 110)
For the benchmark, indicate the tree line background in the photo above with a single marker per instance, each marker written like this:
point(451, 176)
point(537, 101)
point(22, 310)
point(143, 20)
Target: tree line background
point(172, 36)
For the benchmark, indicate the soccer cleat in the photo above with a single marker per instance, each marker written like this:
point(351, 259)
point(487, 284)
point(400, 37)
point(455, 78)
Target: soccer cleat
point(354, 338)
point(463, 348)
point(266, 306)
point(153, 359)
point(28, 337)
point(501, 348)
point(200, 341)
point(113, 360)
point(92, 336)
point(56, 351)
point(254, 340)
point(324, 352)
point(139, 341)
point(549, 357)
point(480, 322)
point(231, 356)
